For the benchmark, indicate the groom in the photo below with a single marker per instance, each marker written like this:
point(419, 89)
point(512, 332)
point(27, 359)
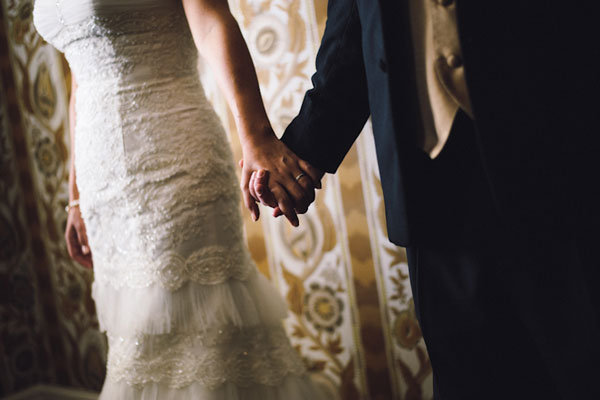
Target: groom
point(485, 117)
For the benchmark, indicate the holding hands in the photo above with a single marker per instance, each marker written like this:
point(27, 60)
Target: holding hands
point(276, 177)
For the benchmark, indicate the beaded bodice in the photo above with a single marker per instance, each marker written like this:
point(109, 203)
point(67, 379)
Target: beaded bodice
point(119, 42)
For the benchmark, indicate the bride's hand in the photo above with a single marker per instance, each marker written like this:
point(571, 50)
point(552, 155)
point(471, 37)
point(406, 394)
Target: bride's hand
point(76, 237)
point(292, 181)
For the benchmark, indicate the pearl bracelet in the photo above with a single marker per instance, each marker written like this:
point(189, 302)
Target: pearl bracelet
point(72, 204)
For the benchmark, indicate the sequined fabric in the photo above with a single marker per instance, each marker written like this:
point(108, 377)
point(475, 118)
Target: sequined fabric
point(244, 357)
point(175, 288)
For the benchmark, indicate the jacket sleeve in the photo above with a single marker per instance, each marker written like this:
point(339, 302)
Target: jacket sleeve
point(335, 110)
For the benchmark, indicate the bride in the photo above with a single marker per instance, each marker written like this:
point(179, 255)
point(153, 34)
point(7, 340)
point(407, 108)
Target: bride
point(153, 196)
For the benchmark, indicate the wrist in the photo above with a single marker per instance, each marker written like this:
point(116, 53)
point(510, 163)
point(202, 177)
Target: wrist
point(255, 136)
point(73, 190)
point(73, 195)
point(72, 204)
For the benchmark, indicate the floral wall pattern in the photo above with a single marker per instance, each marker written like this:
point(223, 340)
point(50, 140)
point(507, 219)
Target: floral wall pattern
point(351, 310)
point(22, 337)
point(58, 342)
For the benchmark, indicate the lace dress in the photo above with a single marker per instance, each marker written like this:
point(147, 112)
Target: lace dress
point(186, 312)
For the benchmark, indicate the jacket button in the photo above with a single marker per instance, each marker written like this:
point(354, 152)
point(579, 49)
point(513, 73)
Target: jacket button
point(382, 65)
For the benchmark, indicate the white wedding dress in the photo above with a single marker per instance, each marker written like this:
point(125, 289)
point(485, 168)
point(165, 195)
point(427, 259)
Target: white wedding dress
point(186, 312)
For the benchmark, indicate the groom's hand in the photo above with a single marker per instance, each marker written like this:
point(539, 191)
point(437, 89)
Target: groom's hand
point(259, 189)
point(291, 181)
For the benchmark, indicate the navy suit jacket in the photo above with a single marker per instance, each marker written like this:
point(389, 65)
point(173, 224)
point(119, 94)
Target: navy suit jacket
point(532, 73)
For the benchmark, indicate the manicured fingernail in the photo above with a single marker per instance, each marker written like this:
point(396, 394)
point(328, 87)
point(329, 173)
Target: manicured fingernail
point(85, 249)
point(260, 173)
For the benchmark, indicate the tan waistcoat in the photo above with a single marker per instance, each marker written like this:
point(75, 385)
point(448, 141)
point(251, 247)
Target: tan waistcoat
point(440, 72)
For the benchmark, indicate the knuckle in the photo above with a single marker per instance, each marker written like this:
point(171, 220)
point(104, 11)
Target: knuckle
point(304, 200)
point(304, 206)
point(285, 202)
point(302, 210)
point(277, 195)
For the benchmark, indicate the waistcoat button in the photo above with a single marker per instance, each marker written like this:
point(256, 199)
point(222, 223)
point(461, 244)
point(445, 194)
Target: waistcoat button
point(454, 61)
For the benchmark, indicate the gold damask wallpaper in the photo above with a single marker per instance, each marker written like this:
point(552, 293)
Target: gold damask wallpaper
point(48, 326)
point(352, 315)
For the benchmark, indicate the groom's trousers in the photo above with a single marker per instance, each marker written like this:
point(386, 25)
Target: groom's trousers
point(500, 320)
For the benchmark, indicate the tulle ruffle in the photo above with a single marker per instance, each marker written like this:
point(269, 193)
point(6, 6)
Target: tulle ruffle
point(244, 357)
point(192, 308)
point(292, 388)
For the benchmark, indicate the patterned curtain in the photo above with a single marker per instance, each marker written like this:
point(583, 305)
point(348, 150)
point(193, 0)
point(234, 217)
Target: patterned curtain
point(352, 315)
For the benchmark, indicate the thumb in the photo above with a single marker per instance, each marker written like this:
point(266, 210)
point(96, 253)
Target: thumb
point(83, 241)
point(249, 201)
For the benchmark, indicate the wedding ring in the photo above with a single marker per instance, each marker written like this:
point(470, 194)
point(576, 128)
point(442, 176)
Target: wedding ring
point(300, 175)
